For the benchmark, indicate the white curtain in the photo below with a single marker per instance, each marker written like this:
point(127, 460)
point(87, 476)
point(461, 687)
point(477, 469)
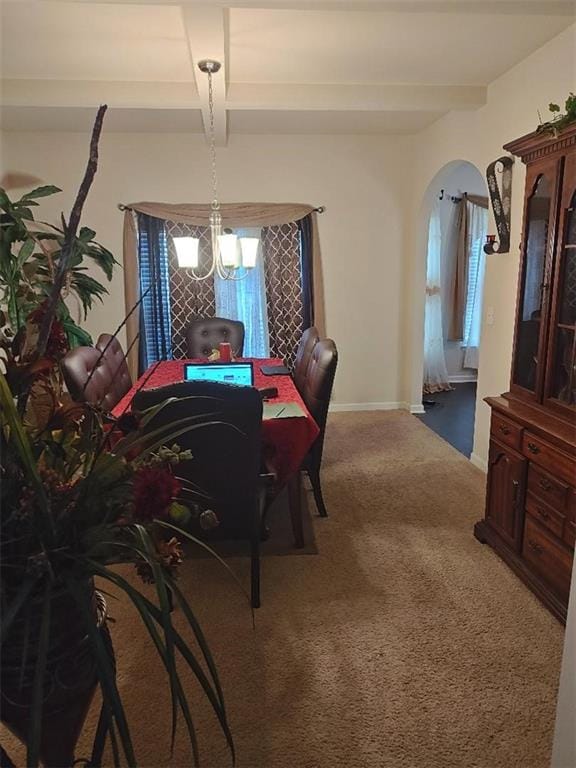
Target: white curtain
point(245, 300)
point(477, 228)
point(435, 372)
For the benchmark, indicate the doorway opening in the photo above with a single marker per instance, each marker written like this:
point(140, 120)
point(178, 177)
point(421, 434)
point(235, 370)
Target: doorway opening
point(455, 267)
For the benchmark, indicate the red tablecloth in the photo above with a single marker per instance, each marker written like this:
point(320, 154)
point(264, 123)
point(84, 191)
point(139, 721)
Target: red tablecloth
point(285, 442)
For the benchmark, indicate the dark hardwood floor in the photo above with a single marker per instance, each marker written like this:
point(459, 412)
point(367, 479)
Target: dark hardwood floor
point(452, 416)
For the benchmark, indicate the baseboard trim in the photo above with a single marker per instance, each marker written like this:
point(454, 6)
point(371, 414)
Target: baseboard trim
point(462, 378)
point(340, 407)
point(479, 462)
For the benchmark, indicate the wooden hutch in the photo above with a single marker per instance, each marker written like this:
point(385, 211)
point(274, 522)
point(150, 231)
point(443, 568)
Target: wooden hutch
point(530, 518)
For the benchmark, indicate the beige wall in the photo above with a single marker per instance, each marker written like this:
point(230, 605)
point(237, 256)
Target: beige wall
point(376, 190)
point(363, 181)
point(547, 75)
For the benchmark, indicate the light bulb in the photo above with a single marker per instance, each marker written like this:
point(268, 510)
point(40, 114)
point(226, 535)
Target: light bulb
point(187, 252)
point(249, 247)
point(229, 250)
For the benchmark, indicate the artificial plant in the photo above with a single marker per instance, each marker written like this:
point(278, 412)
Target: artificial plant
point(560, 120)
point(30, 255)
point(82, 492)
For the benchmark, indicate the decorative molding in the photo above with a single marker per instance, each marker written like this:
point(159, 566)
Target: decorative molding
point(538, 144)
point(391, 406)
point(479, 462)
point(501, 203)
point(462, 378)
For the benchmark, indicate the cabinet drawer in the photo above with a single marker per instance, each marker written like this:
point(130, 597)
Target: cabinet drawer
point(545, 515)
point(547, 488)
point(506, 431)
point(550, 559)
point(560, 464)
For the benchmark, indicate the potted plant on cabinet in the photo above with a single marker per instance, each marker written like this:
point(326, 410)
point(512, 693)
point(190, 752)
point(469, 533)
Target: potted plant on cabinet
point(80, 494)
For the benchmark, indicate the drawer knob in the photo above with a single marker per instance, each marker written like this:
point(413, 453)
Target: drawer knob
point(533, 448)
point(543, 514)
point(545, 484)
point(504, 430)
point(535, 547)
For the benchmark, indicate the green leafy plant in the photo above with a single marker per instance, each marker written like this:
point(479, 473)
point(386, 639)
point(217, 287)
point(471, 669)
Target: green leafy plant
point(559, 120)
point(30, 253)
point(81, 493)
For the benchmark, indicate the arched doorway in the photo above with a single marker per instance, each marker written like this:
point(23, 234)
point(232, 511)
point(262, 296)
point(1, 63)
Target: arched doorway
point(456, 222)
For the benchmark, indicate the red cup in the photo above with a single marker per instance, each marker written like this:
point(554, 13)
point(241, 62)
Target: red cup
point(225, 350)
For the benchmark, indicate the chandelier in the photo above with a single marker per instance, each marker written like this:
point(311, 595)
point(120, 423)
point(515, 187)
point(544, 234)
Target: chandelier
point(231, 255)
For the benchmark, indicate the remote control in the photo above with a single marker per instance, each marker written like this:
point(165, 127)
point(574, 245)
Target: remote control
point(268, 392)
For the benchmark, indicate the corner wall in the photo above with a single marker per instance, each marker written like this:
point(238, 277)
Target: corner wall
point(549, 74)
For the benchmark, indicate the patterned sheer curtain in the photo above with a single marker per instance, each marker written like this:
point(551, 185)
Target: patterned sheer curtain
point(189, 298)
point(281, 247)
point(435, 371)
point(477, 228)
point(245, 300)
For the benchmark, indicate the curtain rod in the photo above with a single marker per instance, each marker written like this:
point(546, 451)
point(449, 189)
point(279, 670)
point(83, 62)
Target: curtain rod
point(318, 209)
point(454, 199)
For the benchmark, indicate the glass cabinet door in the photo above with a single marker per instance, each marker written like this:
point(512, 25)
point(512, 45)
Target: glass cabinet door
point(561, 385)
point(533, 299)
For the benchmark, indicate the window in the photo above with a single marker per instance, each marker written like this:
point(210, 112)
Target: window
point(155, 331)
point(478, 226)
point(245, 300)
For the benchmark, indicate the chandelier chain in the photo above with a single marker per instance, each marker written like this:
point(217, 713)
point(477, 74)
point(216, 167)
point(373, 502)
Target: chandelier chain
point(215, 203)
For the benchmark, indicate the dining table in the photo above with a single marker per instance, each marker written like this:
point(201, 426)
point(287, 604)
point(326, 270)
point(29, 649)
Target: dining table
point(285, 440)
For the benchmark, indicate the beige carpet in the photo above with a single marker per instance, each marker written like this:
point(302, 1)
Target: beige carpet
point(403, 644)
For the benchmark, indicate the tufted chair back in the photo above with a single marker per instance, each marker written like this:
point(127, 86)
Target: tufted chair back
point(308, 341)
point(107, 385)
point(116, 361)
point(205, 333)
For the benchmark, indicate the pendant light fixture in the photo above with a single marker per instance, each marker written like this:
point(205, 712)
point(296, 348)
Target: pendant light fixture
point(231, 255)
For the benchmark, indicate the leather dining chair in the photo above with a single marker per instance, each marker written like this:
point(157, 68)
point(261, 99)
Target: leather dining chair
point(308, 341)
point(225, 443)
point(316, 394)
point(115, 358)
point(96, 378)
point(205, 333)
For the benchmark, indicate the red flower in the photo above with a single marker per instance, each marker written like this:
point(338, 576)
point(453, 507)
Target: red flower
point(154, 491)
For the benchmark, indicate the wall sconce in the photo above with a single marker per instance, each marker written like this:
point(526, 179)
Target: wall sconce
point(501, 202)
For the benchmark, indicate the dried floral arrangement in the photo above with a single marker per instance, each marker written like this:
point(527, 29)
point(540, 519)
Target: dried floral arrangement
point(80, 493)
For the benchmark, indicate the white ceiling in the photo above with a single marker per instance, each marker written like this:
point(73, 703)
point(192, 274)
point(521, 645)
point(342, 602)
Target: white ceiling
point(330, 66)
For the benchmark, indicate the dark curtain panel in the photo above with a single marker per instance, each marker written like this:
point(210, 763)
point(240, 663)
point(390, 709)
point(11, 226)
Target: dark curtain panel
point(307, 270)
point(283, 278)
point(190, 298)
point(155, 326)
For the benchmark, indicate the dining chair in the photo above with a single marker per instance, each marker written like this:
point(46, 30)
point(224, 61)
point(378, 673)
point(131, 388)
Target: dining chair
point(203, 335)
point(97, 375)
point(113, 353)
point(316, 393)
point(225, 442)
point(308, 341)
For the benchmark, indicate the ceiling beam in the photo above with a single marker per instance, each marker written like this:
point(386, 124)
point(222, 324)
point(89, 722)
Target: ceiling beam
point(88, 93)
point(354, 97)
point(206, 31)
point(499, 7)
point(243, 96)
